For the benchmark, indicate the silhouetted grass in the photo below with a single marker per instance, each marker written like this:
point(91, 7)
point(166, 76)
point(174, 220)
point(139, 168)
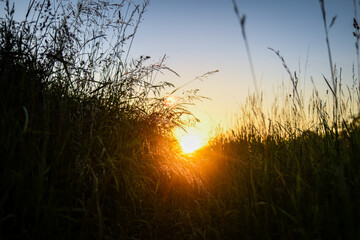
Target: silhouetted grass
point(87, 150)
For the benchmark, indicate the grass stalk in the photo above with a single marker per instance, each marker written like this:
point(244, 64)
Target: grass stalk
point(242, 20)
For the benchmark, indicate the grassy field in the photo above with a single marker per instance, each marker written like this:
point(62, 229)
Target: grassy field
point(87, 149)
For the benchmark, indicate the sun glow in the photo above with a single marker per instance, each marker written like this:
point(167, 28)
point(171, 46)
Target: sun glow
point(191, 140)
point(190, 143)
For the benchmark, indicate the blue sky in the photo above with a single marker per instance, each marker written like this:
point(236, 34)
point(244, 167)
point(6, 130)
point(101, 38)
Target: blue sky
point(203, 35)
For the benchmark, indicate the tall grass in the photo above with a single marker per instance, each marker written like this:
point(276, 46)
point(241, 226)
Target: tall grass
point(79, 121)
point(87, 150)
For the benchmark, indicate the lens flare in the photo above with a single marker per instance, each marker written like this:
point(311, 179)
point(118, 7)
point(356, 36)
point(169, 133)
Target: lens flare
point(171, 100)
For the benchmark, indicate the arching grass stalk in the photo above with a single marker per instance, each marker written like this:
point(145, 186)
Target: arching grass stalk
point(243, 32)
point(294, 80)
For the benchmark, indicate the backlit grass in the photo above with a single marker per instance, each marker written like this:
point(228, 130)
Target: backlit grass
point(88, 151)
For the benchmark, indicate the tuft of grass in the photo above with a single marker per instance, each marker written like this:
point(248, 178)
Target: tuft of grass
point(82, 127)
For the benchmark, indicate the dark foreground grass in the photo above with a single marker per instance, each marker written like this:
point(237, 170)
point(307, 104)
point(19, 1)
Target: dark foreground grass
point(279, 188)
point(88, 153)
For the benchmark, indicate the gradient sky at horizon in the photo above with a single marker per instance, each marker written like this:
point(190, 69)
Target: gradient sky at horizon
point(198, 36)
point(204, 35)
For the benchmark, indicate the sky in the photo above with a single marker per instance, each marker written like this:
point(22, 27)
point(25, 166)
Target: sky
point(198, 36)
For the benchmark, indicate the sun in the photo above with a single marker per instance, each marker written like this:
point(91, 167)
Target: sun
point(191, 138)
point(190, 143)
